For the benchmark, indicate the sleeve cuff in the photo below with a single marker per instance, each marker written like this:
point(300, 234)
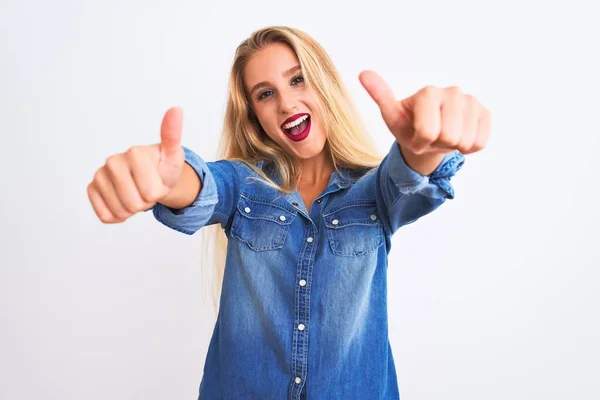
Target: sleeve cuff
point(410, 181)
point(206, 200)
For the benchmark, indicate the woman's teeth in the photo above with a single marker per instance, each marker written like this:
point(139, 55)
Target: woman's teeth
point(295, 123)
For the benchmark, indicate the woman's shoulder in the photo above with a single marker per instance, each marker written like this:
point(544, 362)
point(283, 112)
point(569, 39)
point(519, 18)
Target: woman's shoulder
point(354, 174)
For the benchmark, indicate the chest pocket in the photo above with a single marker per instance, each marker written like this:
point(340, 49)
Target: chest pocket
point(260, 224)
point(354, 229)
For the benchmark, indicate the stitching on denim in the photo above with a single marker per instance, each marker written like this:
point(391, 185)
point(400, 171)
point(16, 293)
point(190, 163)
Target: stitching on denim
point(352, 203)
point(255, 248)
point(266, 217)
point(331, 232)
point(264, 200)
point(280, 235)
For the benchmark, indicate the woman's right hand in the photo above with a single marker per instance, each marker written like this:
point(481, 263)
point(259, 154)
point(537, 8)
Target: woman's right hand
point(136, 180)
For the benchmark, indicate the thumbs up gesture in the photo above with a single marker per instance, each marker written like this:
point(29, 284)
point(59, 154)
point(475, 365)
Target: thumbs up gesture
point(142, 176)
point(433, 121)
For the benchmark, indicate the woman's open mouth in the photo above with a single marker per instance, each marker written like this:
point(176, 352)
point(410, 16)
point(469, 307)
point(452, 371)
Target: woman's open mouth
point(298, 129)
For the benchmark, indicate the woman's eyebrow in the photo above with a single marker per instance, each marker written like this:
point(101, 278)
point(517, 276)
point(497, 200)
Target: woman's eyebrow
point(291, 71)
point(284, 74)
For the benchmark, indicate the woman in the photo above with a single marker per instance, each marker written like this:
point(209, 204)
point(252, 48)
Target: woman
point(308, 210)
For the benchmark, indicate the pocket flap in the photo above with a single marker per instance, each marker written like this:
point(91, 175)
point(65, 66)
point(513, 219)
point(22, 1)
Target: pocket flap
point(262, 209)
point(361, 212)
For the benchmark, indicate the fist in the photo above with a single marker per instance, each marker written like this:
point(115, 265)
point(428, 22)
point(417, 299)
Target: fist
point(142, 176)
point(432, 121)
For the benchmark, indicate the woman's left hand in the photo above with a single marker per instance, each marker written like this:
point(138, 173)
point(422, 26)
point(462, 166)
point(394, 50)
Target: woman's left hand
point(433, 121)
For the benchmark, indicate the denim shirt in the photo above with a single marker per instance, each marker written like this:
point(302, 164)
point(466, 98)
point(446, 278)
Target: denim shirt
point(303, 308)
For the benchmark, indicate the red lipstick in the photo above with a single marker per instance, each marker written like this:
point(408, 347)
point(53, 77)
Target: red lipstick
point(299, 132)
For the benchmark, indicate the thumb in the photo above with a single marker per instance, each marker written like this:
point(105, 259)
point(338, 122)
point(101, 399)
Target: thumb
point(170, 134)
point(382, 94)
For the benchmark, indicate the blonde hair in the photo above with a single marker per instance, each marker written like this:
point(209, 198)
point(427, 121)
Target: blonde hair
point(243, 139)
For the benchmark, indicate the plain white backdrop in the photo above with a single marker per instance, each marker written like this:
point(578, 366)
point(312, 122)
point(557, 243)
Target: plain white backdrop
point(493, 296)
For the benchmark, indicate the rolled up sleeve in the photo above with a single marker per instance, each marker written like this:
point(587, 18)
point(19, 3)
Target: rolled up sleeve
point(215, 202)
point(405, 195)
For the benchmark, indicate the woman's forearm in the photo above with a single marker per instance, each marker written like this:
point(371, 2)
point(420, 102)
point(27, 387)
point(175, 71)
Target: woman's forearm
point(186, 191)
point(424, 164)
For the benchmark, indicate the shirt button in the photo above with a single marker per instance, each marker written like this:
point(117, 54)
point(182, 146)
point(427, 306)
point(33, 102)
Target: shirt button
point(309, 240)
point(319, 201)
point(302, 282)
point(247, 209)
point(335, 222)
point(295, 204)
point(298, 380)
point(282, 217)
point(373, 217)
point(301, 327)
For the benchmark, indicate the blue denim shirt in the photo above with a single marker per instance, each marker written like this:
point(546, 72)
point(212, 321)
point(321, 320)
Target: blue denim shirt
point(303, 309)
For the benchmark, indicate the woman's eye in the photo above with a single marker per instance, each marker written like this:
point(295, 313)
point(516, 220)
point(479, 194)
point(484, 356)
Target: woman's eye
point(263, 95)
point(267, 93)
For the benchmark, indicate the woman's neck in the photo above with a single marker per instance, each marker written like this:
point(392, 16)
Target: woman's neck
point(316, 170)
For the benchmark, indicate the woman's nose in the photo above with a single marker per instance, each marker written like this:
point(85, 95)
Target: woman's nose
point(287, 104)
point(289, 110)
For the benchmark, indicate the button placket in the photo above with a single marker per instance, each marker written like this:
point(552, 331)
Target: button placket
point(302, 312)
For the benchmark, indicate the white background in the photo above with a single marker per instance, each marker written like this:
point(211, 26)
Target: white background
point(493, 296)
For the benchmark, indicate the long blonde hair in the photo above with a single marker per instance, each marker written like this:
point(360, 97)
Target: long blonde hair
point(243, 139)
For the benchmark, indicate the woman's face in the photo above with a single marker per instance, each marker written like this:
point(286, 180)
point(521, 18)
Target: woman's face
point(286, 108)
